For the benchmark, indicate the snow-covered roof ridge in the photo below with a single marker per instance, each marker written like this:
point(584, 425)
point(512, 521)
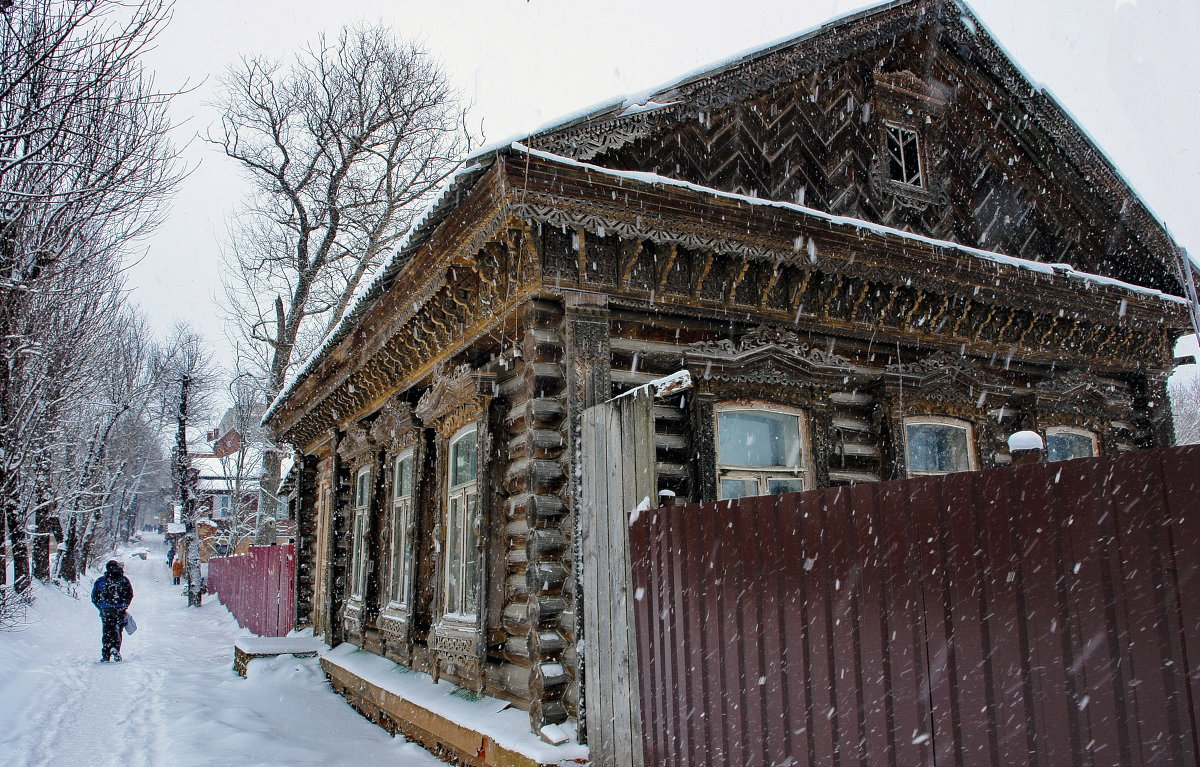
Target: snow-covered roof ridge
point(1065, 270)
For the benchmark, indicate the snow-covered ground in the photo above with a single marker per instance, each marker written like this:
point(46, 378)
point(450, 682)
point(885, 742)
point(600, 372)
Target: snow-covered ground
point(174, 700)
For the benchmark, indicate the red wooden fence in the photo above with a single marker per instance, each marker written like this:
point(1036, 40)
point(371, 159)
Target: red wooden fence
point(258, 588)
point(1040, 615)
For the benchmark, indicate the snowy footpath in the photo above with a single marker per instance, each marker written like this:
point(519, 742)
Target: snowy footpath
point(174, 700)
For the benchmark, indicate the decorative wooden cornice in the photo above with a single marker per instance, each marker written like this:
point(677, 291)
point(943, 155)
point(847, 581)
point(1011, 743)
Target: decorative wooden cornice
point(478, 264)
point(773, 264)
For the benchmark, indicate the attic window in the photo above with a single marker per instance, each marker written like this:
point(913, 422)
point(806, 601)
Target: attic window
point(904, 156)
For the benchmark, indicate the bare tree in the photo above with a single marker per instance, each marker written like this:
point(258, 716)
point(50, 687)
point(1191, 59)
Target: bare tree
point(1184, 388)
point(188, 387)
point(241, 467)
point(341, 146)
point(85, 167)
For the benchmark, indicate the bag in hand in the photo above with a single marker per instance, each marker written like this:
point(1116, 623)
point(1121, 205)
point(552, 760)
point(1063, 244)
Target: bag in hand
point(130, 624)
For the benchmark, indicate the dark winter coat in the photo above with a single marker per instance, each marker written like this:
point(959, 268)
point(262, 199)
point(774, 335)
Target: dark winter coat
point(112, 590)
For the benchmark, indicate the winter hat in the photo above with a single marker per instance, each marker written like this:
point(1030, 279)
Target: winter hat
point(113, 567)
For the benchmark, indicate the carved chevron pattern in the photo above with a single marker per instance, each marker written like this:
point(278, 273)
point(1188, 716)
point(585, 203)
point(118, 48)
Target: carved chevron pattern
point(990, 184)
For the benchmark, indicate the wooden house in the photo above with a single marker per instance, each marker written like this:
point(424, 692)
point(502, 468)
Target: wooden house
point(877, 248)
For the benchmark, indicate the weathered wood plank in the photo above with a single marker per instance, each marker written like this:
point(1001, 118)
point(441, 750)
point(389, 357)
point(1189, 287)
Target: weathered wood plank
point(618, 476)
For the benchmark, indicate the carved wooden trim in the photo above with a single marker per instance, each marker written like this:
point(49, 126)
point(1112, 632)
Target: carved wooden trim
point(396, 428)
point(355, 445)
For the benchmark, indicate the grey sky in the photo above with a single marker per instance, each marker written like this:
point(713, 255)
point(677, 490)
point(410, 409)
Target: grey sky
point(1129, 72)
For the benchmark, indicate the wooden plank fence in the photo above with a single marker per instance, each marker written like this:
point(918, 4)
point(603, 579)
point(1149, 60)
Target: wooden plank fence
point(258, 588)
point(618, 475)
point(1039, 615)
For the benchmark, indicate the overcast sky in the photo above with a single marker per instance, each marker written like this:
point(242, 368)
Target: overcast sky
point(1129, 72)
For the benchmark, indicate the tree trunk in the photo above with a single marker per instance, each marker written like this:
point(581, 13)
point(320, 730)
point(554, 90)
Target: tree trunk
point(3, 554)
point(268, 500)
point(194, 592)
point(68, 566)
point(18, 545)
point(45, 531)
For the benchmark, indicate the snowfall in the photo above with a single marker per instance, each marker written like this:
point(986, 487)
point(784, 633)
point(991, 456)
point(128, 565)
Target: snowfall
point(174, 700)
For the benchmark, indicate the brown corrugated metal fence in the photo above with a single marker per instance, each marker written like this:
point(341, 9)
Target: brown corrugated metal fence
point(1044, 615)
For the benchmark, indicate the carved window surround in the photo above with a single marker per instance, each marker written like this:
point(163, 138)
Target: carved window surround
point(456, 400)
point(904, 105)
point(356, 449)
point(790, 473)
point(764, 361)
point(952, 428)
point(398, 431)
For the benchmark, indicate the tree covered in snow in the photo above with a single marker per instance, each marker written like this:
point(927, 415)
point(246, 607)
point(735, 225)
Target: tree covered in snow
point(1185, 404)
point(341, 146)
point(85, 169)
point(187, 384)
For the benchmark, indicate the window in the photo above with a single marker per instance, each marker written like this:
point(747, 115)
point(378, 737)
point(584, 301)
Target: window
point(402, 494)
point(903, 155)
point(760, 451)
point(462, 526)
point(362, 502)
point(1064, 443)
point(938, 446)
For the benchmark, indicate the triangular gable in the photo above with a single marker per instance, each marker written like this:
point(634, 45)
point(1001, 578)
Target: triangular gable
point(1006, 169)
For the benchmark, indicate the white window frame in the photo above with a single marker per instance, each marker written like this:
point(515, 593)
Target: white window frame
point(1074, 431)
point(889, 155)
point(935, 420)
point(362, 505)
point(402, 509)
point(764, 474)
point(461, 537)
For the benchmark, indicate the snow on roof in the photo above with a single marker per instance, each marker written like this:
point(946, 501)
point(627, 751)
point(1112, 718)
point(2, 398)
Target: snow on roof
point(647, 99)
point(653, 99)
point(1065, 270)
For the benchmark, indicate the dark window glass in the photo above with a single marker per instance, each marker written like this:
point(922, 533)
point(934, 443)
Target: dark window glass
point(903, 156)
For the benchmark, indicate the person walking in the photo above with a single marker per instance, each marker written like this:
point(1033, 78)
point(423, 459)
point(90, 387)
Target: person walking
point(176, 571)
point(111, 594)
